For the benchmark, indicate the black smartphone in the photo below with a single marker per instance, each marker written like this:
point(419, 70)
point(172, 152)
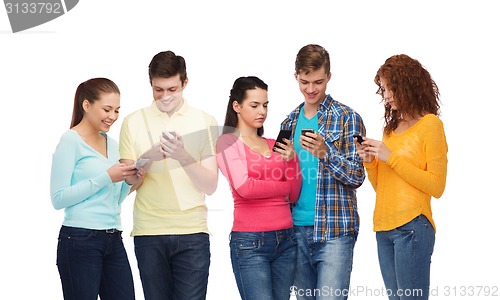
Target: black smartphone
point(303, 132)
point(284, 134)
point(359, 138)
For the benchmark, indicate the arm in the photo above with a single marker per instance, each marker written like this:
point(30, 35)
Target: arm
point(63, 192)
point(341, 159)
point(372, 172)
point(294, 177)
point(233, 166)
point(431, 180)
point(204, 175)
point(201, 171)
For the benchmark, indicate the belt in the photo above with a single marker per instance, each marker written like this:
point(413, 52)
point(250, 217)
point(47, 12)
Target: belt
point(110, 231)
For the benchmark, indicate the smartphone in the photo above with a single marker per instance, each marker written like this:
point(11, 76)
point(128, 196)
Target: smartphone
point(140, 163)
point(359, 138)
point(306, 130)
point(283, 134)
point(166, 137)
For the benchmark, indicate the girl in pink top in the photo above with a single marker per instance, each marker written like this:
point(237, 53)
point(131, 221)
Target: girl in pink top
point(264, 182)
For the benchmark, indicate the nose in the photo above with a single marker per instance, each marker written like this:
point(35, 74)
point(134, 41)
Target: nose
point(113, 115)
point(310, 88)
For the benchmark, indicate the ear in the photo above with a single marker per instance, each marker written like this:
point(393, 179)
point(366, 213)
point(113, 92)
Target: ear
point(236, 106)
point(185, 83)
point(329, 76)
point(296, 76)
point(86, 105)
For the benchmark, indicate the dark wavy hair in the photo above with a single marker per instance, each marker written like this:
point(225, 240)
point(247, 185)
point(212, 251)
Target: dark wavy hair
point(90, 90)
point(238, 93)
point(166, 64)
point(414, 91)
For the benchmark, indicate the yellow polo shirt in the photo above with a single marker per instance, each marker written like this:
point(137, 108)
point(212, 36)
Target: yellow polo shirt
point(168, 202)
point(414, 173)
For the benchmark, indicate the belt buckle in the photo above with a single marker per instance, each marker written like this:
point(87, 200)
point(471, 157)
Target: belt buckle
point(111, 231)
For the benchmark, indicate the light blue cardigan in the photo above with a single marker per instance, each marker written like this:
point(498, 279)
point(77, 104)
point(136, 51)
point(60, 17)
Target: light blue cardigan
point(80, 184)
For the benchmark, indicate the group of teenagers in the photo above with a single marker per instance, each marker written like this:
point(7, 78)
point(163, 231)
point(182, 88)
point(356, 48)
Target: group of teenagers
point(295, 208)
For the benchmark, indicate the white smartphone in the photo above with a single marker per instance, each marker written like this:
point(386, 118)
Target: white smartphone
point(140, 163)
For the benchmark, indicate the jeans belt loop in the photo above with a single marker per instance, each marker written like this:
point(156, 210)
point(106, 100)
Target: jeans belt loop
point(111, 231)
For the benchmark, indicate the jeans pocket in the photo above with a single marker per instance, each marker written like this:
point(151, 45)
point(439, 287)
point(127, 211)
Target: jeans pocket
point(76, 234)
point(242, 245)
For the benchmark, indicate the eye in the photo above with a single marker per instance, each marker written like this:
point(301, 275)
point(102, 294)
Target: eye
point(106, 110)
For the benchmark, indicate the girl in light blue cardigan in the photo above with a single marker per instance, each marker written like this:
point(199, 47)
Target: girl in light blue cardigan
point(88, 181)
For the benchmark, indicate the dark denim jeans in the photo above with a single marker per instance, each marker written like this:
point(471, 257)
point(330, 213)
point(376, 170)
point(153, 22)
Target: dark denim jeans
point(173, 267)
point(404, 256)
point(93, 262)
point(264, 263)
point(323, 268)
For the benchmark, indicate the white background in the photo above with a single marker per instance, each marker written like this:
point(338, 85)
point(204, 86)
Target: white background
point(456, 41)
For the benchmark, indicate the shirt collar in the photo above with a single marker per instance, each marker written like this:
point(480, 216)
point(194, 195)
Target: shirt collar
point(156, 112)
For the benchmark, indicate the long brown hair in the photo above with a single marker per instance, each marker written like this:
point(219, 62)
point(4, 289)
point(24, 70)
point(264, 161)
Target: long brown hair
point(90, 90)
point(414, 91)
point(238, 93)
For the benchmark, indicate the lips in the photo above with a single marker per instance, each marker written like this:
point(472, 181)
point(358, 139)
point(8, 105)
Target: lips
point(108, 123)
point(311, 96)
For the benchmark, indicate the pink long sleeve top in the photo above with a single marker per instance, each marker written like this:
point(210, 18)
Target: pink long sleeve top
point(262, 187)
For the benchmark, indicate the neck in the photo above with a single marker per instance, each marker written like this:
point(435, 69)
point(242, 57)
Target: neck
point(246, 131)
point(310, 110)
point(84, 129)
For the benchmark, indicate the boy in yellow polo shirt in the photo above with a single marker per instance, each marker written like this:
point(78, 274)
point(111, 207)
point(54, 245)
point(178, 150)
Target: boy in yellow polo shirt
point(170, 230)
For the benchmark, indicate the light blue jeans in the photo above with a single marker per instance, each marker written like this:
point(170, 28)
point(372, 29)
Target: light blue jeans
point(264, 263)
point(404, 256)
point(323, 268)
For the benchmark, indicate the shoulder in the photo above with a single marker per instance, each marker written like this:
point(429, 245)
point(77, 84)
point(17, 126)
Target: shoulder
point(430, 125)
point(69, 141)
point(432, 120)
point(134, 117)
point(70, 136)
point(227, 138)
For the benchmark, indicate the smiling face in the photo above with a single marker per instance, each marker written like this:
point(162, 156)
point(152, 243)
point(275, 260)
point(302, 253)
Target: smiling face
point(103, 112)
point(313, 85)
point(167, 92)
point(252, 112)
point(387, 94)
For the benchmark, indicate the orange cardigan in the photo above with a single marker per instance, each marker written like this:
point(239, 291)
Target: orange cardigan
point(415, 172)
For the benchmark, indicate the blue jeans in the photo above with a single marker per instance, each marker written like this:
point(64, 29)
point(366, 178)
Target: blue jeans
point(173, 266)
point(264, 263)
point(93, 262)
point(323, 268)
point(404, 256)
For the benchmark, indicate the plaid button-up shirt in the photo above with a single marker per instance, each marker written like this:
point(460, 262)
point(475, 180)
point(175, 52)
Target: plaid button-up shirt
point(339, 173)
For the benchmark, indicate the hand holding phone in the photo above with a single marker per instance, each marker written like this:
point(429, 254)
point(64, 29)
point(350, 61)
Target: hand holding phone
point(305, 130)
point(283, 134)
point(141, 162)
point(165, 136)
point(359, 138)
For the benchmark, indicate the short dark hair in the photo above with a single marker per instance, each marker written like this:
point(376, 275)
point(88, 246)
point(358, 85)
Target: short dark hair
point(166, 64)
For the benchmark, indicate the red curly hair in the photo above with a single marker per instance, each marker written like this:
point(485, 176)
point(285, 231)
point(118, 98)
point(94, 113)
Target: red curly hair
point(414, 91)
